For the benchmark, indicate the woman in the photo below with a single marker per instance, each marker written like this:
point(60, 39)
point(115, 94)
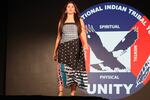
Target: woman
point(69, 50)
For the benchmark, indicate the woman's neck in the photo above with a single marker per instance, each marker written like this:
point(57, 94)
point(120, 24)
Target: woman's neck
point(70, 18)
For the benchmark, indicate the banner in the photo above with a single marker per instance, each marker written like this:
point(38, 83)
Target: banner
point(119, 40)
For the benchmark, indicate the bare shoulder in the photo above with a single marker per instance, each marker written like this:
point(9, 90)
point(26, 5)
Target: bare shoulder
point(59, 23)
point(81, 21)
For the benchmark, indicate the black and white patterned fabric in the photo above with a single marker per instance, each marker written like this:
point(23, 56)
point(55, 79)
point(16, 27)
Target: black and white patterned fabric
point(71, 57)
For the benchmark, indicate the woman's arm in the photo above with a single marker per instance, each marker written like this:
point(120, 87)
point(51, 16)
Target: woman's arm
point(85, 46)
point(83, 35)
point(57, 43)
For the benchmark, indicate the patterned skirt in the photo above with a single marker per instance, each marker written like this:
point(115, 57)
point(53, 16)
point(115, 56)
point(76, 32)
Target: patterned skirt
point(71, 64)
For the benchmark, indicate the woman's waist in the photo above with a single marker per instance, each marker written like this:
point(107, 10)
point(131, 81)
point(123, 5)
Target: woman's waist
point(68, 38)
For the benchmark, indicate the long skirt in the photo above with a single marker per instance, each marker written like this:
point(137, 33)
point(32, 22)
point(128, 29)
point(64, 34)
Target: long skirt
point(71, 64)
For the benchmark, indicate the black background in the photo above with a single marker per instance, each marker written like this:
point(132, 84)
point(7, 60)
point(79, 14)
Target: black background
point(38, 16)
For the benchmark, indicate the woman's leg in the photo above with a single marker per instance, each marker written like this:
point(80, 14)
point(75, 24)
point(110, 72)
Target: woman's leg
point(60, 81)
point(73, 89)
point(60, 90)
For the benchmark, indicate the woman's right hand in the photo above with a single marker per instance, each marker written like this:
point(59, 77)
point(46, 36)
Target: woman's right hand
point(55, 56)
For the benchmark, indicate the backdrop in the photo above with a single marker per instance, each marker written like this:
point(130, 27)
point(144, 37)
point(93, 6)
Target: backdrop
point(31, 34)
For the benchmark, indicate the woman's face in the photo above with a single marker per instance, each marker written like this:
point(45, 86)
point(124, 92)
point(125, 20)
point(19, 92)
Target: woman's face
point(70, 9)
